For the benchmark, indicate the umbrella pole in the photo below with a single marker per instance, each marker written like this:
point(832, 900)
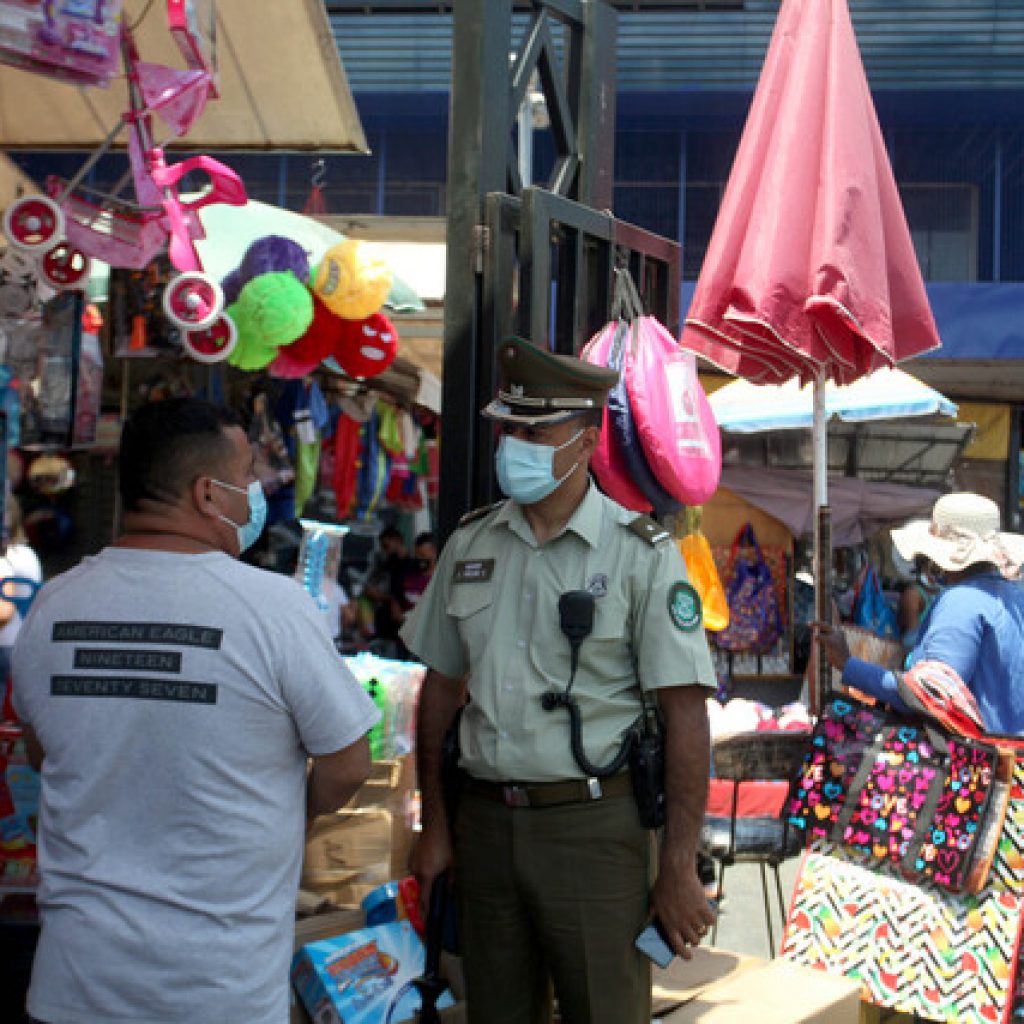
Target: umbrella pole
point(821, 682)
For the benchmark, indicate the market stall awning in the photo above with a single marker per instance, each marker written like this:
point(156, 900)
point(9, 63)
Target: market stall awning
point(859, 507)
point(281, 81)
point(13, 182)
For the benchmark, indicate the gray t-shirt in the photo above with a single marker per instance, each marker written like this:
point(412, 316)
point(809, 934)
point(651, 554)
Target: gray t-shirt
point(176, 697)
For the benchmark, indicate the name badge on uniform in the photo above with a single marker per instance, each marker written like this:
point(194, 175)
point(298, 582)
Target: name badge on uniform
point(597, 585)
point(477, 571)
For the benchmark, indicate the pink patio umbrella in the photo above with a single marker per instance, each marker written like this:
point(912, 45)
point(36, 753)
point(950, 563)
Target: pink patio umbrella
point(811, 271)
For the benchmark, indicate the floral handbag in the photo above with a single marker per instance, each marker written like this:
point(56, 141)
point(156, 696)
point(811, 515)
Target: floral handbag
point(755, 622)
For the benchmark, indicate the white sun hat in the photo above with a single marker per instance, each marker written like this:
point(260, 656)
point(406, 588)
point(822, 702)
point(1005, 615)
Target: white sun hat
point(963, 531)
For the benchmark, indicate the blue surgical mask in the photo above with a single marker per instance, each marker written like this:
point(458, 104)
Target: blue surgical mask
point(251, 529)
point(525, 470)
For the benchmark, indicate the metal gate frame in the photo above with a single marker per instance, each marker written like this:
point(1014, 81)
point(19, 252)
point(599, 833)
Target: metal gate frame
point(534, 261)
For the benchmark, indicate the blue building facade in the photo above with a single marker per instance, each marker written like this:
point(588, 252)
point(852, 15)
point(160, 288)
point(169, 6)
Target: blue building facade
point(947, 78)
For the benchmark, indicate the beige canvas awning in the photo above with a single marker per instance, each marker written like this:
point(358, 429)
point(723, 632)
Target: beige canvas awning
point(281, 81)
point(13, 182)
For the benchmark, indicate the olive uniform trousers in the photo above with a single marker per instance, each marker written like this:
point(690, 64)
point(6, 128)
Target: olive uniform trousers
point(553, 895)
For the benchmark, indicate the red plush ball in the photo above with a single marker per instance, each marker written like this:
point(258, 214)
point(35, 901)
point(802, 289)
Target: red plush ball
point(322, 339)
point(367, 347)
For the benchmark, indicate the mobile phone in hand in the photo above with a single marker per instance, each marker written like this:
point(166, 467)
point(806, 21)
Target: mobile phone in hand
point(653, 944)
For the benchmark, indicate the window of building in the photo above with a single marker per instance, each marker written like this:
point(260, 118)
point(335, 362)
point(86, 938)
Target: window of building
point(943, 221)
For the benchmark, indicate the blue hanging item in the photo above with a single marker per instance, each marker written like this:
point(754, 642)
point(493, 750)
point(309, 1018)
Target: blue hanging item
point(374, 469)
point(871, 611)
point(622, 425)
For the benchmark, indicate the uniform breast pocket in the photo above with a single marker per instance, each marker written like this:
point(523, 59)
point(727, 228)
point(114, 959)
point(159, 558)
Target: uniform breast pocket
point(607, 647)
point(470, 605)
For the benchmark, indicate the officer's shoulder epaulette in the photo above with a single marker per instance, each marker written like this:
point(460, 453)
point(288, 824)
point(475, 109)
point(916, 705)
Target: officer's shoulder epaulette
point(478, 513)
point(649, 530)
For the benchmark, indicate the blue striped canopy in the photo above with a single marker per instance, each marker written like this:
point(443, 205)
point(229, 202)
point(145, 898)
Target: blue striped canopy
point(745, 408)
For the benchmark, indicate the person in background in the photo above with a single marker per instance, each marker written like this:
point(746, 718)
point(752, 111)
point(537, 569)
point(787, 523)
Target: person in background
point(975, 625)
point(382, 588)
point(413, 582)
point(171, 696)
point(916, 599)
point(553, 866)
point(18, 562)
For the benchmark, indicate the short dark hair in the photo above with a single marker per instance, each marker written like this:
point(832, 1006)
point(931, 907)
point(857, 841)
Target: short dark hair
point(165, 445)
point(423, 538)
point(391, 533)
point(593, 418)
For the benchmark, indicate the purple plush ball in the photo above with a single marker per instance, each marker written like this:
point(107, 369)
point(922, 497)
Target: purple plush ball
point(232, 286)
point(273, 254)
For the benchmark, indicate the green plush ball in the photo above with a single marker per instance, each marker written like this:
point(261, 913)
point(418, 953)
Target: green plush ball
point(250, 352)
point(277, 308)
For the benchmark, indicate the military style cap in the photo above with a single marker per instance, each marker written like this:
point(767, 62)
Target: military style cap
point(539, 387)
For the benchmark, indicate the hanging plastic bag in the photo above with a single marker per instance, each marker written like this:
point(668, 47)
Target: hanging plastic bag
point(755, 622)
point(672, 417)
point(621, 467)
point(703, 574)
point(607, 462)
point(871, 611)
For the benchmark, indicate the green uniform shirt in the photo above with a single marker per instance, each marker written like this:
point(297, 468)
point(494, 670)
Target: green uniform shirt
point(491, 611)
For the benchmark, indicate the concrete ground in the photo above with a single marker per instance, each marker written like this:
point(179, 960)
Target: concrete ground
point(741, 921)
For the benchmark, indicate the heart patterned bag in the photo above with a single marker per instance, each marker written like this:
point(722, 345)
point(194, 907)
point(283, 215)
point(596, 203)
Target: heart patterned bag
point(844, 730)
point(902, 790)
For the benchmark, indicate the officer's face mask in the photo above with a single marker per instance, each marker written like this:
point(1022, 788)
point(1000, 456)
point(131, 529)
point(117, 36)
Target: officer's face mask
point(248, 531)
point(525, 469)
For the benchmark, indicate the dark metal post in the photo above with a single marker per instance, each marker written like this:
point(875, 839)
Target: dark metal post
point(478, 145)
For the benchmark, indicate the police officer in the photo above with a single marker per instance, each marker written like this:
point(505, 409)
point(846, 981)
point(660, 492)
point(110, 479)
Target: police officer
point(554, 868)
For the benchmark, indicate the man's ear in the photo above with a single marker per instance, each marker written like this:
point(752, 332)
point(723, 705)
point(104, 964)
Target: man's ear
point(202, 496)
point(590, 438)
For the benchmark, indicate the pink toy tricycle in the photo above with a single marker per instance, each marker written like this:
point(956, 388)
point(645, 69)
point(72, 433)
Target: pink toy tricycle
point(74, 222)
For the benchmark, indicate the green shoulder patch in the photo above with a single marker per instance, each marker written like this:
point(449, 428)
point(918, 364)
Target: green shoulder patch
point(684, 607)
point(649, 530)
point(478, 513)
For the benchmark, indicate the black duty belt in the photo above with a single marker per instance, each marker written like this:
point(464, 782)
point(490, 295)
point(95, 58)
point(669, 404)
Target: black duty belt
point(549, 794)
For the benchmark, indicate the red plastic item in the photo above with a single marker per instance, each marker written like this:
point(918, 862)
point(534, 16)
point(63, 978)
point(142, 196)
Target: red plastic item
point(409, 896)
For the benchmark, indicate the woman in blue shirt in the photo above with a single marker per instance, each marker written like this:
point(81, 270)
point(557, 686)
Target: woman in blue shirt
point(976, 625)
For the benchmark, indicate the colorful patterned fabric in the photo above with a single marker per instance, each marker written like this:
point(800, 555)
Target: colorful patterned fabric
point(945, 852)
point(755, 621)
point(893, 785)
point(916, 948)
point(845, 729)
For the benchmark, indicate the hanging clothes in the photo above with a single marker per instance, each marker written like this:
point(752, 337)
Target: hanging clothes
point(346, 463)
point(303, 409)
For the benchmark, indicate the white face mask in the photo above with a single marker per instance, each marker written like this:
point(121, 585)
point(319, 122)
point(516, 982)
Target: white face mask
point(525, 469)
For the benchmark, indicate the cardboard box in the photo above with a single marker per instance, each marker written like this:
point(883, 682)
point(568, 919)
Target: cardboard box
point(348, 854)
point(773, 992)
point(390, 788)
point(684, 980)
point(362, 977)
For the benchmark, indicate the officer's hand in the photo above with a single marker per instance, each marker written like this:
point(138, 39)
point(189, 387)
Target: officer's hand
point(431, 854)
point(837, 650)
point(679, 903)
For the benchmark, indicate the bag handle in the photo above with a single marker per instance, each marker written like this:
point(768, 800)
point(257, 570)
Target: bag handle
point(626, 304)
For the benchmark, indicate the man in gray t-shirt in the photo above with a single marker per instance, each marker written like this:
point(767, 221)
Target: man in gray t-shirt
point(172, 695)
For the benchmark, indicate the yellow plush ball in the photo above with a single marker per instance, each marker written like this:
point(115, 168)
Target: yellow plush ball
point(352, 282)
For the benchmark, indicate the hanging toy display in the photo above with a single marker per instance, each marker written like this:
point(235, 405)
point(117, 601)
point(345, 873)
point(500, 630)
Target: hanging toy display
point(320, 561)
point(352, 280)
point(74, 221)
point(290, 327)
point(368, 347)
point(323, 337)
point(272, 310)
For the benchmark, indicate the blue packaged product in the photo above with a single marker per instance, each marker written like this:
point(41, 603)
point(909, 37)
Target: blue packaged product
point(363, 977)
